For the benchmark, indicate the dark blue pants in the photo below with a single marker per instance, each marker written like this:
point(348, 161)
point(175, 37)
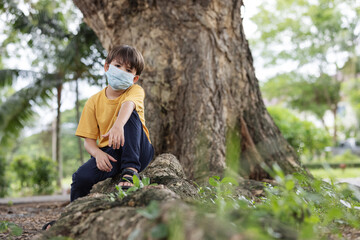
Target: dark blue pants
point(137, 152)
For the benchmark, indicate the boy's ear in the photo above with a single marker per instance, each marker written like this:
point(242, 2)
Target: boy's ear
point(106, 67)
point(136, 78)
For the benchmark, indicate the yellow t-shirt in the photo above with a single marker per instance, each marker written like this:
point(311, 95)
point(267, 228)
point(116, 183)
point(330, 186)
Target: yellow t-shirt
point(100, 113)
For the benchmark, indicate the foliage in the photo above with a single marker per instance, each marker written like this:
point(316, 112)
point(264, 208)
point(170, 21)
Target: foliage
point(318, 39)
point(335, 173)
point(297, 207)
point(301, 135)
point(311, 30)
point(44, 175)
point(11, 228)
point(346, 157)
point(65, 56)
point(152, 212)
point(41, 143)
point(305, 93)
point(38, 173)
point(352, 90)
point(3, 179)
point(138, 184)
point(23, 167)
point(16, 110)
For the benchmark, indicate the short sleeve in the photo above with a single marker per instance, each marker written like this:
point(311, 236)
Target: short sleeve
point(136, 94)
point(88, 126)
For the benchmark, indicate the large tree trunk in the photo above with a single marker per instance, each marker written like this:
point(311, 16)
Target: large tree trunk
point(58, 128)
point(202, 93)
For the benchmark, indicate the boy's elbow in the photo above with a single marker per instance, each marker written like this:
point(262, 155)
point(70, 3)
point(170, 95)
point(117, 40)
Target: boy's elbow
point(87, 141)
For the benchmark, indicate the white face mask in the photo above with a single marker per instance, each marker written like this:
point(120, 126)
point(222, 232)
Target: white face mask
point(119, 79)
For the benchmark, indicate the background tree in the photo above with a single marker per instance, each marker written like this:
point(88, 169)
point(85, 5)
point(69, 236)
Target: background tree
point(318, 37)
point(65, 56)
point(308, 140)
point(199, 80)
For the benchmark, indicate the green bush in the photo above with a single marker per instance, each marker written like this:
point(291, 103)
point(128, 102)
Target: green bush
point(37, 174)
point(24, 169)
point(297, 207)
point(45, 175)
point(303, 136)
point(346, 157)
point(3, 181)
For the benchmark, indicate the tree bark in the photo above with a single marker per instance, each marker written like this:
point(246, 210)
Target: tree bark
point(58, 145)
point(80, 144)
point(200, 83)
point(334, 111)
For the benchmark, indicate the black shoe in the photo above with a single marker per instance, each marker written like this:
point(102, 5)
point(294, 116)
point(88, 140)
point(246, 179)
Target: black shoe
point(49, 223)
point(128, 171)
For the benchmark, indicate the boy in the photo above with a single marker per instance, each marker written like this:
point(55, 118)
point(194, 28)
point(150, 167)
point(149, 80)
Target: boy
point(114, 116)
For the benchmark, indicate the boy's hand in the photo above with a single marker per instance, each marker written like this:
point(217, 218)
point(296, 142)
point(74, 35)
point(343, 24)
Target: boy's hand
point(102, 161)
point(116, 136)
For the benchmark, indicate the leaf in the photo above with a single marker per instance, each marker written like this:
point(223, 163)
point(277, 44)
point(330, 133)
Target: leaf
point(146, 181)
point(3, 226)
point(132, 189)
point(213, 182)
point(159, 231)
point(15, 229)
point(229, 180)
point(134, 234)
point(289, 185)
point(151, 212)
point(136, 181)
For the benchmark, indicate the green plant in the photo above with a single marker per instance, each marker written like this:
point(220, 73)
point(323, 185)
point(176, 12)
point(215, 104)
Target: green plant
point(11, 228)
point(24, 169)
point(3, 181)
point(61, 238)
point(303, 136)
point(120, 193)
point(346, 157)
point(45, 175)
point(152, 212)
point(297, 207)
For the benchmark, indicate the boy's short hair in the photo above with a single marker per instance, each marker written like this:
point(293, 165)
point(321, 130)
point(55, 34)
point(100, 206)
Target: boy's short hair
point(128, 55)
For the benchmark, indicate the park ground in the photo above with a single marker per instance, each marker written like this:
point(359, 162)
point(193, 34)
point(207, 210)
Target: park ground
point(31, 213)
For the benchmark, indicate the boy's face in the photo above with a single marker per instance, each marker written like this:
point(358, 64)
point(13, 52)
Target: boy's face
point(122, 67)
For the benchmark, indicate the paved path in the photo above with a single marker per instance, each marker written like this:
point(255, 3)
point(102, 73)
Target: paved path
point(354, 181)
point(36, 199)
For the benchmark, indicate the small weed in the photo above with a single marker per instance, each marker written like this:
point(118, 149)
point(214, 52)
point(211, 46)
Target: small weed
point(297, 207)
point(138, 184)
point(11, 228)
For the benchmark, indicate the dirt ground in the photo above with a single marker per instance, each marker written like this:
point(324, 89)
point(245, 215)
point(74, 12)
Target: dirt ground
point(30, 216)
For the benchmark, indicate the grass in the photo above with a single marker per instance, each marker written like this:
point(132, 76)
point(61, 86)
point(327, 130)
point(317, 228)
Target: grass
point(336, 173)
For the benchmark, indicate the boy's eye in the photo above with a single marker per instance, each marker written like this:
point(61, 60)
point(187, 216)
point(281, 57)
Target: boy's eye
point(128, 70)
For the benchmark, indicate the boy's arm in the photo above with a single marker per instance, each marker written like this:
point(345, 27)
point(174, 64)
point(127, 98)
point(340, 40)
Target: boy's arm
point(116, 133)
point(102, 159)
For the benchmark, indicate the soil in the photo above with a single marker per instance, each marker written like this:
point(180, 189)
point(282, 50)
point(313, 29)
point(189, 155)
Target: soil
point(30, 216)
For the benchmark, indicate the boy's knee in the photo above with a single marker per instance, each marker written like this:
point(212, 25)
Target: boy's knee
point(81, 179)
point(134, 121)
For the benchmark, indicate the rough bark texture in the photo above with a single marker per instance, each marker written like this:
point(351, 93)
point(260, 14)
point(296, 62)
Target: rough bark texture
point(199, 81)
point(97, 217)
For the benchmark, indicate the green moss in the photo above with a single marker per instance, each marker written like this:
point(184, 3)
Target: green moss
point(201, 161)
point(233, 150)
